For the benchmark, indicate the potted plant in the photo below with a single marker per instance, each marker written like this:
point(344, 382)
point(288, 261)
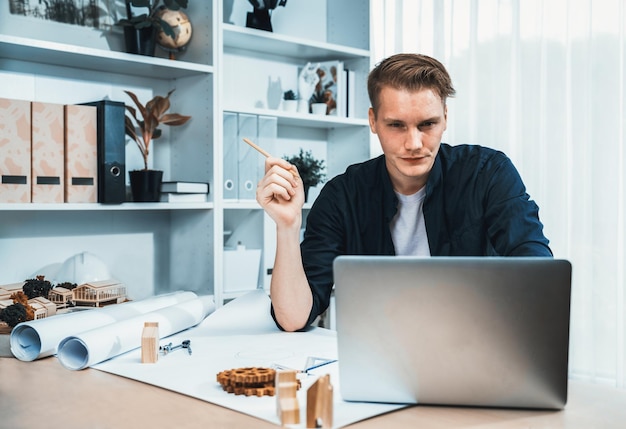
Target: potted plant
point(318, 103)
point(260, 17)
point(140, 30)
point(290, 101)
point(146, 183)
point(309, 168)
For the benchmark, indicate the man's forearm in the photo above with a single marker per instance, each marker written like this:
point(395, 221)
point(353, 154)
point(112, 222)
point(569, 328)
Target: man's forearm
point(290, 292)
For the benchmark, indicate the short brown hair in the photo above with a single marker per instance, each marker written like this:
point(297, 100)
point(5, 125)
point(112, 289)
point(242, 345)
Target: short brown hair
point(412, 72)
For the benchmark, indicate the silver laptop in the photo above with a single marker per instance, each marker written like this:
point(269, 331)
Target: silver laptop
point(490, 332)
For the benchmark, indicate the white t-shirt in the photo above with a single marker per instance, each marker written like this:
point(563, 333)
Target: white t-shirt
point(408, 230)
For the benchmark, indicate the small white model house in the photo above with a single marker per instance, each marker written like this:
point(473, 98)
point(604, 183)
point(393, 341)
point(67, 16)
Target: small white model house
point(99, 293)
point(61, 296)
point(7, 290)
point(43, 307)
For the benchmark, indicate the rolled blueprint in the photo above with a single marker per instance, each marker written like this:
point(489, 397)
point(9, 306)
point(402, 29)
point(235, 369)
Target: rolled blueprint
point(40, 338)
point(94, 346)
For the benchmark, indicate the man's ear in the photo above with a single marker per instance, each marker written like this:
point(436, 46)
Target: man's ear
point(372, 118)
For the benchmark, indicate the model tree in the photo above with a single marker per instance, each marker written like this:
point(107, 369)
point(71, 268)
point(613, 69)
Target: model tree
point(37, 287)
point(13, 314)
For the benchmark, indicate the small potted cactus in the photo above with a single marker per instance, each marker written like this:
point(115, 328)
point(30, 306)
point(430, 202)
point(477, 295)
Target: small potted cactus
point(290, 101)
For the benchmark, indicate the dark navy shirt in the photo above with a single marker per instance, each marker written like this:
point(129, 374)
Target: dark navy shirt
point(476, 205)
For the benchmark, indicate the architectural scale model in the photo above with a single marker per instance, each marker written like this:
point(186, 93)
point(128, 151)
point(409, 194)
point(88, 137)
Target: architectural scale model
point(92, 294)
point(97, 294)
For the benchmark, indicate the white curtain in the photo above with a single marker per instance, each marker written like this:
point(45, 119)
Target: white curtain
point(543, 81)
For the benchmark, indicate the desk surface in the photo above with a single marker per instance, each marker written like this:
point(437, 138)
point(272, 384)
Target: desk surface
point(45, 394)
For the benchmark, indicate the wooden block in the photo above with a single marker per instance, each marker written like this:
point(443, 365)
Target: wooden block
point(287, 405)
point(319, 404)
point(150, 342)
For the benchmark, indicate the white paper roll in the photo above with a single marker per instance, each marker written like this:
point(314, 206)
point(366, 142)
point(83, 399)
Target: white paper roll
point(94, 346)
point(40, 338)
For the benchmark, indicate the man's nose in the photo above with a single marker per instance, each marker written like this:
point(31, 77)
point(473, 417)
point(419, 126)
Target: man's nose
point(414, 140)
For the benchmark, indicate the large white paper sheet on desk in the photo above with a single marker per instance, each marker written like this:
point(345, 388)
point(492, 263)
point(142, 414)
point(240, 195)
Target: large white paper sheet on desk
point(40, 338)
point(97, 345)
point(243, 334)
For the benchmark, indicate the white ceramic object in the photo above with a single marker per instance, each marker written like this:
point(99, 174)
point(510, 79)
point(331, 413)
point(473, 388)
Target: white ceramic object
point(82, 268)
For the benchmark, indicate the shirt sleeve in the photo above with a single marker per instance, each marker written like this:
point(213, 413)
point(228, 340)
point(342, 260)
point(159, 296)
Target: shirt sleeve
point(512, 218)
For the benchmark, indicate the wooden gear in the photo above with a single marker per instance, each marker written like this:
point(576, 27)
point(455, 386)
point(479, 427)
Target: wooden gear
point(248, 381)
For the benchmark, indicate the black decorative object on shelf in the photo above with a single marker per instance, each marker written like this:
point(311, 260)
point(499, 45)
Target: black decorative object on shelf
point(145, 185)
point(144, 21)
point(261, 17)
point(141, 41)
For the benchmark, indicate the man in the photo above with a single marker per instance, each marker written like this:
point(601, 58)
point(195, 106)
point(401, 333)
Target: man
point(421, 197)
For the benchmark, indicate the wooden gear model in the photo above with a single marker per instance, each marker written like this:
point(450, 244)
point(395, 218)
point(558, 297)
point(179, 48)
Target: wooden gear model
point(248, 381)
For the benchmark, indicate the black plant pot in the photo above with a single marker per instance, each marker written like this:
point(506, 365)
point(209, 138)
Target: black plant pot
point(140, 41)
point(306, 192)
point(259, 19)
point(146, 185)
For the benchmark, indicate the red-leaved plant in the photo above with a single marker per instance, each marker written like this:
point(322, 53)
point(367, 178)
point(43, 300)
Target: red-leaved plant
point(153, 114)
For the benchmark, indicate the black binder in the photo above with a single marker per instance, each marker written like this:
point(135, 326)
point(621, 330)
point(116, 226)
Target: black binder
point(111, 151)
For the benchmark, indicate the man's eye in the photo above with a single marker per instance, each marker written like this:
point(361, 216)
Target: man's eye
point(395, 124)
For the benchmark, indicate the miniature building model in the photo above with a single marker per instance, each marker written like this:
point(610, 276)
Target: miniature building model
point(99, 293)
point(43, 307)
point(60, 296)
point(319, 404)
point(7, 290)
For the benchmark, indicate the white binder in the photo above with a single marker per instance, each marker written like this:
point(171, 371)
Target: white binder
point(248, 157)
point(266, 138)
point(231, 147)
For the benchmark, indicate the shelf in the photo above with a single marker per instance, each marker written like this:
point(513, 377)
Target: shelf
point(241, 205)
point(251, 205)
point(103, 207)
point(260, 41)
point(59, 54)
point(305, 119)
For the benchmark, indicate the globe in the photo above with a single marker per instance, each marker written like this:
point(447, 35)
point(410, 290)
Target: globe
point(179, 21)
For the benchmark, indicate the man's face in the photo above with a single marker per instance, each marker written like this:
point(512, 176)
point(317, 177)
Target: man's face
point(409, 126)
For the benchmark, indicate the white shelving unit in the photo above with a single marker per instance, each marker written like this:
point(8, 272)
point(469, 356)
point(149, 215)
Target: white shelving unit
point(161, 247)
point(253, 62)
point(151, 247)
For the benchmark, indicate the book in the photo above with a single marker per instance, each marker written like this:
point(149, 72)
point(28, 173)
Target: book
point(173, 197)
point(185, 187)
point(350, 94)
